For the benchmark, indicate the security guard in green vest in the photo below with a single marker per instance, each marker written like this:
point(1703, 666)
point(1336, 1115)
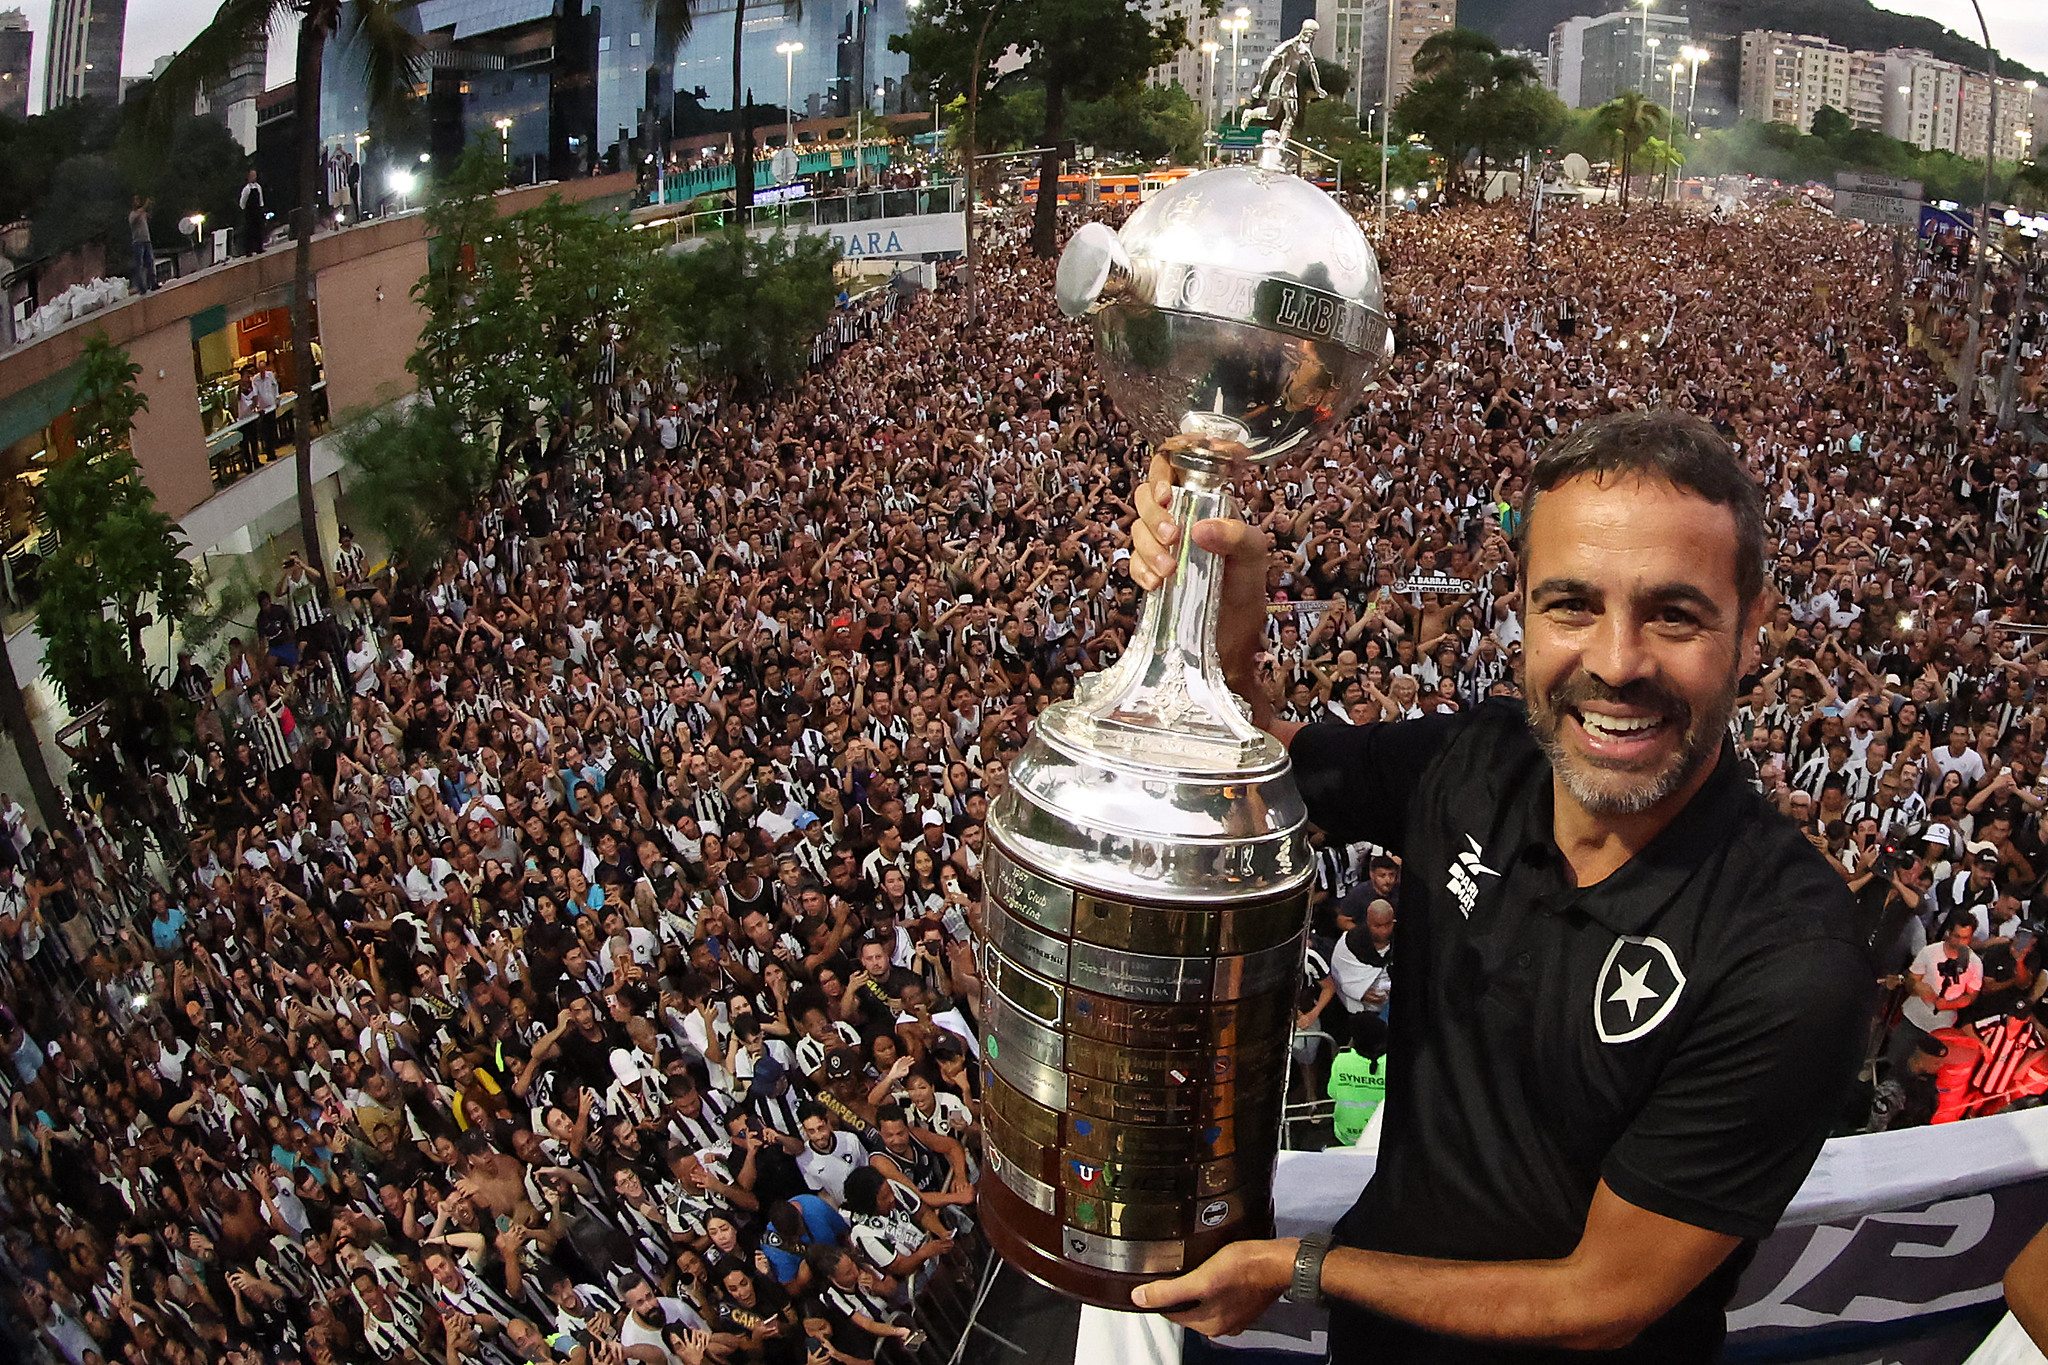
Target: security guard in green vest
point(1358, 1078)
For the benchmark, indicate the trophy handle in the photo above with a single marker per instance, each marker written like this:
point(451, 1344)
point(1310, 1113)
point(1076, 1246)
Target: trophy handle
point(1167, 694)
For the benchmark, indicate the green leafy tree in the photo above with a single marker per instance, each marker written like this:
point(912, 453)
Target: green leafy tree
point(748, 308)
point(389, 56)
point(584, 277)
point(413, 471)
point(1629, 120)
point(1149, 122)
point(2030, 186)
point(1075, 51)
point(474, 354)
point(1661, 156)
point(1831, 124)
point(116, 570)
point(1470, 100)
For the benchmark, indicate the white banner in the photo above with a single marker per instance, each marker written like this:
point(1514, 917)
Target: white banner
point(898, 239)
point(1896, 1244)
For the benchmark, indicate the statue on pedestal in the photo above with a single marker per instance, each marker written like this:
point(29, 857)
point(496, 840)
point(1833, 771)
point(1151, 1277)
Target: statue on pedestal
point(1277, 99)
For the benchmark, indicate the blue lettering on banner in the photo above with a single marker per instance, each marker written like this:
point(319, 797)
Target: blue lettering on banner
point(854, 244)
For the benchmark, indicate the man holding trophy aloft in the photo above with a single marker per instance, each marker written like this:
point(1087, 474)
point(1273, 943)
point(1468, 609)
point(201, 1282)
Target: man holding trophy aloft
point(1631, 995)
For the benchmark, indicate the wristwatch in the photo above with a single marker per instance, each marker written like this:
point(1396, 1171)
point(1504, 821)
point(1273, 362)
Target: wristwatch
point(1308, 1269)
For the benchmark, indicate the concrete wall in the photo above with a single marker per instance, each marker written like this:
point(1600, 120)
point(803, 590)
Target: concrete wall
point(170, 438)
point(369, 324)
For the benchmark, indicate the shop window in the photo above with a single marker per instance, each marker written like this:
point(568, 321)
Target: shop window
point(236, 360)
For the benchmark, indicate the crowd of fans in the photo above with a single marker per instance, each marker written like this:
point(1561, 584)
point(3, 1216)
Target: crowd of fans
point(569, 955)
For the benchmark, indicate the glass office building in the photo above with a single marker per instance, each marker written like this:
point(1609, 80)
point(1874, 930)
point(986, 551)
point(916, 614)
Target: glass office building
point(579, 88)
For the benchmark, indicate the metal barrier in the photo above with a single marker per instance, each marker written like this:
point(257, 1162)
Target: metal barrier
point(1312, 1109)
point(859, 206)
point(947, 1306)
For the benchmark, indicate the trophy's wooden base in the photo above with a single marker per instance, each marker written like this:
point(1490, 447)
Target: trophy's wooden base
point(1030, 1240)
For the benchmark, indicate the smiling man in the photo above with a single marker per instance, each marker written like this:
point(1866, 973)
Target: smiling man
point(1630, 995)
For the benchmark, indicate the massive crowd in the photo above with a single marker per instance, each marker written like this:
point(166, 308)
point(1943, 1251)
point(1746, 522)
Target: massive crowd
point(571, 959)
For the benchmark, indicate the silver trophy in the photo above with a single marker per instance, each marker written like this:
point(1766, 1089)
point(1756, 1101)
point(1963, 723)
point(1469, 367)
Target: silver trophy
point(1147, 884)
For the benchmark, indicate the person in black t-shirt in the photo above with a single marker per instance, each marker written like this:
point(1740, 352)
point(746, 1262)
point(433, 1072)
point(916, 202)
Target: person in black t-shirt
point(1632, 996)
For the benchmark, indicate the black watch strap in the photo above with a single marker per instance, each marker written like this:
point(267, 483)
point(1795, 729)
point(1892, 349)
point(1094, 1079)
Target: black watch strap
point(1308, 1269)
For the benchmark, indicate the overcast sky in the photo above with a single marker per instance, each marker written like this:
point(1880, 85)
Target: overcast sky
point(157, 28)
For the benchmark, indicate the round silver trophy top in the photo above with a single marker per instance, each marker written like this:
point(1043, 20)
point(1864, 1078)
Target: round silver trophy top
point(1241, 304)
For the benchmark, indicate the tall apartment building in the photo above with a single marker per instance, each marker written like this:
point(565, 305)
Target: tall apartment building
point(1594, 58)
point(84, 56)
point(17, 44)
point(1353, 34)
point(1789, 77)
point(1207, 76)
point(1941, 106)
point(1866, 90)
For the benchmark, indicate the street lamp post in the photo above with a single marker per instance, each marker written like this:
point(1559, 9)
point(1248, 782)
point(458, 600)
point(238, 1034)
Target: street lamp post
point(504, 127)
point(789, 51)
point(1387, 110)
point(1695, 56)
point(1967, 395)
point(1237, 24)
point(1645, 78)
point(1210, 47)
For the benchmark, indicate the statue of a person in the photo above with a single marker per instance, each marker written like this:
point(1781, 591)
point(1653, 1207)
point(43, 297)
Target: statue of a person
point(1276, 98)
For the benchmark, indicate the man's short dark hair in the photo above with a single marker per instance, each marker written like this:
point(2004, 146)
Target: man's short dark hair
point(1671, 447)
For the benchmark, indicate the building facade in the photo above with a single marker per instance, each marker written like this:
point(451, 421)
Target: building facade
point(1789, 77)
point(1940, 106)
point(569, 88)
point(83, 59)
point(1353, 34)
point(17, 47)
point(1593, 59)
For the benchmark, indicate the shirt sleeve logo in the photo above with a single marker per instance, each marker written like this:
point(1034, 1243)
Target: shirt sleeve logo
point(1466, 870)
point(1638, 986)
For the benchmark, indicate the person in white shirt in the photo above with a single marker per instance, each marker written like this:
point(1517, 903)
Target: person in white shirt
point(1959, 757)
point(1360, 967)
point(830, 1154)
point(1945, 977)
point(647, 1313)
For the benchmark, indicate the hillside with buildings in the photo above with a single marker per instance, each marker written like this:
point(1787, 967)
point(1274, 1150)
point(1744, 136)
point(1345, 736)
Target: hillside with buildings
point(1854, 24)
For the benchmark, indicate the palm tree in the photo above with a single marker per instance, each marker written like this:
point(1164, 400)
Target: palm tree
point(1662, 155)
point(1629, 119)
point(2030, 185)
point(742, 117)
point(389, 55)
point(672, 21)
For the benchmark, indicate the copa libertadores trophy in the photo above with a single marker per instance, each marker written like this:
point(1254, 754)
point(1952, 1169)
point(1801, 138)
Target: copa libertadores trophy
point(1145, 895)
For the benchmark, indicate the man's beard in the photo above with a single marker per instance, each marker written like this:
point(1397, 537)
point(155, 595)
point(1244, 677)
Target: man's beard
point(1701, 734)
point(655, 1317)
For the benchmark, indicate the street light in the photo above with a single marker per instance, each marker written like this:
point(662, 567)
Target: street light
point(504, 127)
point(1696, 56)
point(1236, 25)
point(1210, 47)
point(1646, 38)
point(789, 51)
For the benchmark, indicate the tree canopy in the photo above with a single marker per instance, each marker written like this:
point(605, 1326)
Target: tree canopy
point(1470, 99)
point(116, 570)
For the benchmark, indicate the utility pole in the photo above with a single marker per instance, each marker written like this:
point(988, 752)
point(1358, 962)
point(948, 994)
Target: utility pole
point(973, 131)
point(1967, 397)
point(1387, 111)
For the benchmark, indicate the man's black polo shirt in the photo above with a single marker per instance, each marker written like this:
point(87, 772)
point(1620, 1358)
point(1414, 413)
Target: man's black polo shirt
point(1684, 1029)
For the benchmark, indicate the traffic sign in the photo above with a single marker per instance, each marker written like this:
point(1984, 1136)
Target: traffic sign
point(783, 165)
point(1239, 137)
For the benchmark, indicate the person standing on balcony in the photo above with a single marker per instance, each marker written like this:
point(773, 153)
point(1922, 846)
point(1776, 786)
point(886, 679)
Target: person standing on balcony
point(251, 200)
point(139, 244)
point(265, 391)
